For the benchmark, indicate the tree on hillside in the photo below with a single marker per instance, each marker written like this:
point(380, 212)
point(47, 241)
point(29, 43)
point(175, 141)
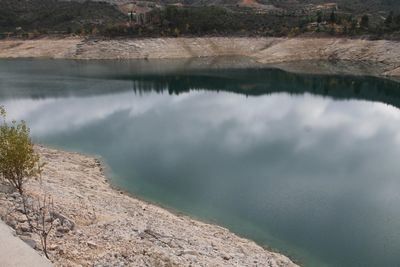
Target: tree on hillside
point(332, 18)
point(364, 22)
point(397, 20)
point(389, 19)
point(319, 17)
point(18, 160)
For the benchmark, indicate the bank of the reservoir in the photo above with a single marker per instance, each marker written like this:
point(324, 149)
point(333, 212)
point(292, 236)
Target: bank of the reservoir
point(114, 229)
point(263, 50)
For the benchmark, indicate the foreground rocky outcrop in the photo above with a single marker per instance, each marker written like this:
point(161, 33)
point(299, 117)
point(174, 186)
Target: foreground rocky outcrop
point(102, 226)
point(263, 50)
point(15, 253)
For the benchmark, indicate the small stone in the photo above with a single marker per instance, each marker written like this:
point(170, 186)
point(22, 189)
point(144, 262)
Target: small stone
point(30, 242)
point(69, 225)
point(15, 195)
point(24, 227)
point(125, 255)
point(226, 257)
point(91, 244)
point(53, 247)
point(20, 209)
point(21, 218)
point(61, 251)
point(12, 223)
point(62, 230)
point(20, 233)
point(65, 221)
point(59, 234)
point(188, 252)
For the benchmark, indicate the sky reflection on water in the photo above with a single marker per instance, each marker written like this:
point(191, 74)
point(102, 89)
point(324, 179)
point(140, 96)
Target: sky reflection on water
point(313, 175)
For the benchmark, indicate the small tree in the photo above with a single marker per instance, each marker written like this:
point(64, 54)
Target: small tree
point(332, 18)
point(319, 17)
point(364, 22)
point(41, 220)
point(396, 22)
point(18, 159)
point(389, 19)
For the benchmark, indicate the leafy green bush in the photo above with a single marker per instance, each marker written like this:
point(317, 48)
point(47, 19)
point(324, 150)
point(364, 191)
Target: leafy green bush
point(18, 159)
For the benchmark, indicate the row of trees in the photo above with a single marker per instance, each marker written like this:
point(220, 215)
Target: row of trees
point(211, 20)
point(348, 24)
point(37, 17)
point(347, 19)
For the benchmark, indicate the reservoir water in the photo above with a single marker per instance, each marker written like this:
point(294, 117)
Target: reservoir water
point(308, 165)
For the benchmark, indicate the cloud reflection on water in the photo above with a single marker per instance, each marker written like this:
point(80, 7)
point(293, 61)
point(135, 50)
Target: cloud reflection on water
point(307, 174)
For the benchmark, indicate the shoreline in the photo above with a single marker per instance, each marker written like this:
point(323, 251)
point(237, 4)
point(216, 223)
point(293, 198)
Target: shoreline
point(263, 50)
point(111, 227)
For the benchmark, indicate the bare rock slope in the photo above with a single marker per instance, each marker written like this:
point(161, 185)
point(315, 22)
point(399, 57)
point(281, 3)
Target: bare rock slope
point(109, 228)
point(264, 50)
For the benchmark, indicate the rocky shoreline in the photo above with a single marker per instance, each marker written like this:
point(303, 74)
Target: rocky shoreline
point(263, 50)
point(103, 226)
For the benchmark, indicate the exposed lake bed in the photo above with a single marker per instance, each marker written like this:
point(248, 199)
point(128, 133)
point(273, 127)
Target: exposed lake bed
point(289, 160)
point(264, 50)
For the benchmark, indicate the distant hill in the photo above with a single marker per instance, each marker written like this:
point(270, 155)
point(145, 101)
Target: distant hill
point(56, 16)
point(357, 6)
point(155, 18)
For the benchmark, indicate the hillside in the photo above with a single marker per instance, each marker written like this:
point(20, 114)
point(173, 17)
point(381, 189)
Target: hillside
point(377, 19)
point(356, 6)
point(46, 16)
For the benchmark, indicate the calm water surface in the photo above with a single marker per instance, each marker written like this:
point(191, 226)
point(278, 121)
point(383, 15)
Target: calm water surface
point(308, 165)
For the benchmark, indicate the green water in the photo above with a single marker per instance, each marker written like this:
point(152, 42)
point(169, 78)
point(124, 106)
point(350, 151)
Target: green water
point(308, 165)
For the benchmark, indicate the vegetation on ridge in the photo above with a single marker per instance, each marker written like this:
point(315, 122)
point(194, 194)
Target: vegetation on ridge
point(31, 18)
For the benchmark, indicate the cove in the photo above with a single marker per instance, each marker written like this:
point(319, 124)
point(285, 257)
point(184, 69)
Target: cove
point(305, 164)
